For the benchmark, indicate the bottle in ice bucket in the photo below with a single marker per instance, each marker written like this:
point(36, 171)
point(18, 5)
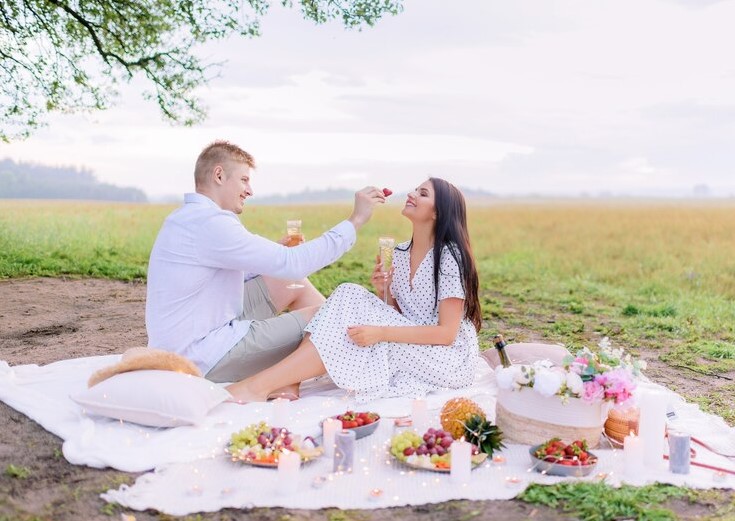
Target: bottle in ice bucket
point(500, 344)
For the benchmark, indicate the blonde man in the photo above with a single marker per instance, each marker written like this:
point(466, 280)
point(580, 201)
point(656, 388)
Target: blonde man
point(217, 292)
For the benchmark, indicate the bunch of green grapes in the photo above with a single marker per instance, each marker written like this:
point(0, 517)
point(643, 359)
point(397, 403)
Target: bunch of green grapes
point(400, 442)
point(248, 436)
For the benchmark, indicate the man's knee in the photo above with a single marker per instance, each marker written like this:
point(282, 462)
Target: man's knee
point(307, 313)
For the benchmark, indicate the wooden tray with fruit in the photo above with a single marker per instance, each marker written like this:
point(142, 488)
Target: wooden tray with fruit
point(260, 445)
point(556, 458)
point(432, 451)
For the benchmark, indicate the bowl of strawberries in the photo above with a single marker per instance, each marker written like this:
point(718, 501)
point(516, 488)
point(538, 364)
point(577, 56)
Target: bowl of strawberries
point(556, 458)
point(363, 423)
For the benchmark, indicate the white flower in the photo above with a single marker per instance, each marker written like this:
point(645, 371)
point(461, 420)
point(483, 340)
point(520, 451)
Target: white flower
point(574, 383)
point(548, 383)
point(505, 376)
point(522, 377)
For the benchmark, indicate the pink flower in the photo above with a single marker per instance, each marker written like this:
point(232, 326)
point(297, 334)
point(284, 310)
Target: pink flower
point(593, 391)
point(617, 385)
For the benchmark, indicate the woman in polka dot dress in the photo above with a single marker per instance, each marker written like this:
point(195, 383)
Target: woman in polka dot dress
point(424, 339)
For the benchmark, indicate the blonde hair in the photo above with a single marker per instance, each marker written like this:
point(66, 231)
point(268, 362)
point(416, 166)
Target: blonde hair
point(218, 153)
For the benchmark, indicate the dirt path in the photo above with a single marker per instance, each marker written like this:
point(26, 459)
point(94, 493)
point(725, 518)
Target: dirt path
point(45, 320)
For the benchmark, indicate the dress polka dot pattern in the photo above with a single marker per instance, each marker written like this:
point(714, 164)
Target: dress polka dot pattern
point(390, 369)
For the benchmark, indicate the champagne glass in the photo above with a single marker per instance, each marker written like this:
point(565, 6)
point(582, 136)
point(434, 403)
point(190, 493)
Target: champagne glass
point(295, 237)
point(386, 245)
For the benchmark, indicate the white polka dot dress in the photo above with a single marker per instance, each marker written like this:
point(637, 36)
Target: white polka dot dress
point(391, 369)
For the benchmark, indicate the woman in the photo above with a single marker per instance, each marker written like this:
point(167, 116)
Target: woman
point(424, 339)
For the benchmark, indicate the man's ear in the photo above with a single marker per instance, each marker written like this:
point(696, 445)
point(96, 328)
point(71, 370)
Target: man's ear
point(218, 175)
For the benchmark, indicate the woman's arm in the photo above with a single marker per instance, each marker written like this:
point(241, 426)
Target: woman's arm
point(451, 311)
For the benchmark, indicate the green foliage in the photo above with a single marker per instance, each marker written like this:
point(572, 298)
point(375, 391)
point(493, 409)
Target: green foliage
point(600, 502)
point(58, 55)
point(484, 434)
point(15, 471)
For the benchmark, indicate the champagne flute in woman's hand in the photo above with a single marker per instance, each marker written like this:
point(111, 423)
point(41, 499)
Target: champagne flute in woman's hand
point(386, 245)
point(295, 237)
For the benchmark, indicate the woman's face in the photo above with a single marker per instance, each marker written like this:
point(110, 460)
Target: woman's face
point(419, 206)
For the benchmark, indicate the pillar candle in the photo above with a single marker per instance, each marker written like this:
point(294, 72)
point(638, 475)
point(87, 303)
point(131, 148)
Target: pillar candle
point(289, 465)
point(330, 427)
point(420, 415)
point(461, 461)
point(679, 454)
point(280, 412)
point(652, 427)
point(344, 451)
point(633, 453)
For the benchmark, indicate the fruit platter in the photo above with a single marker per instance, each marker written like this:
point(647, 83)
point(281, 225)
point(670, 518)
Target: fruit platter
point(556, 458)
point(261, 445)
point(363, 423)
point(432, 451)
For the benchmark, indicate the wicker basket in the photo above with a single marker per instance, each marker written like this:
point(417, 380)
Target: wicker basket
point(528, 418)
point(621, 423)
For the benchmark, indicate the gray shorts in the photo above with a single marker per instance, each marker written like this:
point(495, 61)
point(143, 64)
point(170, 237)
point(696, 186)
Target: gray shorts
point(270, 339)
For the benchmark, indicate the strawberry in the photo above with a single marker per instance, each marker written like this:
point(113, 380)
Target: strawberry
point(387, 192)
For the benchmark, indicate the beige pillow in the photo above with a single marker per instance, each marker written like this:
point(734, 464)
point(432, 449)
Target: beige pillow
point(527, 353)
point(154, 398)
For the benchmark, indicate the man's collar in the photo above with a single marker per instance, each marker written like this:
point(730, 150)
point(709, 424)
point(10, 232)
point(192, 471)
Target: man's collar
point(196, 197)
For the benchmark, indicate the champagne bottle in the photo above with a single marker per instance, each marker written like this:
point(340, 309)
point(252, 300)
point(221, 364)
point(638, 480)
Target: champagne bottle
point(500, 344)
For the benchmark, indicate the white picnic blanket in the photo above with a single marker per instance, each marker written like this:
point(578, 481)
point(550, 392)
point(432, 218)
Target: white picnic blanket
point(191, 473)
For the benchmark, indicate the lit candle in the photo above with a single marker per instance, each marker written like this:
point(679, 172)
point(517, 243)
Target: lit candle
point(513, 481)
point(280, 412)
point(719, 476)
point(420, 415)
point(330, 427)
point(652, 427)
point(289, 465)
point(461, 461)
point(498, 460)
point(344, 451)
point(633, 453)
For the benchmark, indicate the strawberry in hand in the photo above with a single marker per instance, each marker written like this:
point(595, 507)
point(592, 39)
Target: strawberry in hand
point(387, 192)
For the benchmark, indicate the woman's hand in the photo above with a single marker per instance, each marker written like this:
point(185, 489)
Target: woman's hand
point(365, 336)
point(379, 279)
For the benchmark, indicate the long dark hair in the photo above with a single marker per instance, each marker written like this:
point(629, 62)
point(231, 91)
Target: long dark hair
point(450, 230)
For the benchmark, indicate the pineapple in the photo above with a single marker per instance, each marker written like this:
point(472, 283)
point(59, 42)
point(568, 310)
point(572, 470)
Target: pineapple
point(456, 413)
point(484, 435)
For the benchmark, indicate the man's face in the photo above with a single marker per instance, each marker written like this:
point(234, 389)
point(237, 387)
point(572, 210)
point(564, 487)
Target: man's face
point(234, 187)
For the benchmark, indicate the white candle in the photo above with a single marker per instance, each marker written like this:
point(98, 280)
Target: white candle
point(330, 428)
point(652, 427)
point(289, 465)
point(280, 412)
point(420, 415)
point(461, 461)
point(633, 453)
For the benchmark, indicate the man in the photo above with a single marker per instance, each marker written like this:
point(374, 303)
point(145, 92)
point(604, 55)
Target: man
point(216, 291)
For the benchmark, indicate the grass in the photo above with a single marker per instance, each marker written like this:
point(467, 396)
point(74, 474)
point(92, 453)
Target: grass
point(657, 279)
point(600, 502)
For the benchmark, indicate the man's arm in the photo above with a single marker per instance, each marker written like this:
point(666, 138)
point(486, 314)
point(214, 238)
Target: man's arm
point(226, 243)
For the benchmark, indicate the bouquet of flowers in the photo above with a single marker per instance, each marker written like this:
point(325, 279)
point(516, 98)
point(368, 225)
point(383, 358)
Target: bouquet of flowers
point(606, 375)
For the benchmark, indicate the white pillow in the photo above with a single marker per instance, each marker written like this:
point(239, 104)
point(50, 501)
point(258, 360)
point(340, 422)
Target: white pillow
point(153, 398)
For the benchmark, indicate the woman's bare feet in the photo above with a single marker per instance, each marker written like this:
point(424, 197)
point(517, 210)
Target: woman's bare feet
point(242, 392)
point(289, 392)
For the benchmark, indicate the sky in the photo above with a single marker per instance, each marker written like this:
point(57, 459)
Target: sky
point(545, 97)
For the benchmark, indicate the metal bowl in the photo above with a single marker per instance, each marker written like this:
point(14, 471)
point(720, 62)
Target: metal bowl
point(557, 469)
point(365, 430)
point(361, 432)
